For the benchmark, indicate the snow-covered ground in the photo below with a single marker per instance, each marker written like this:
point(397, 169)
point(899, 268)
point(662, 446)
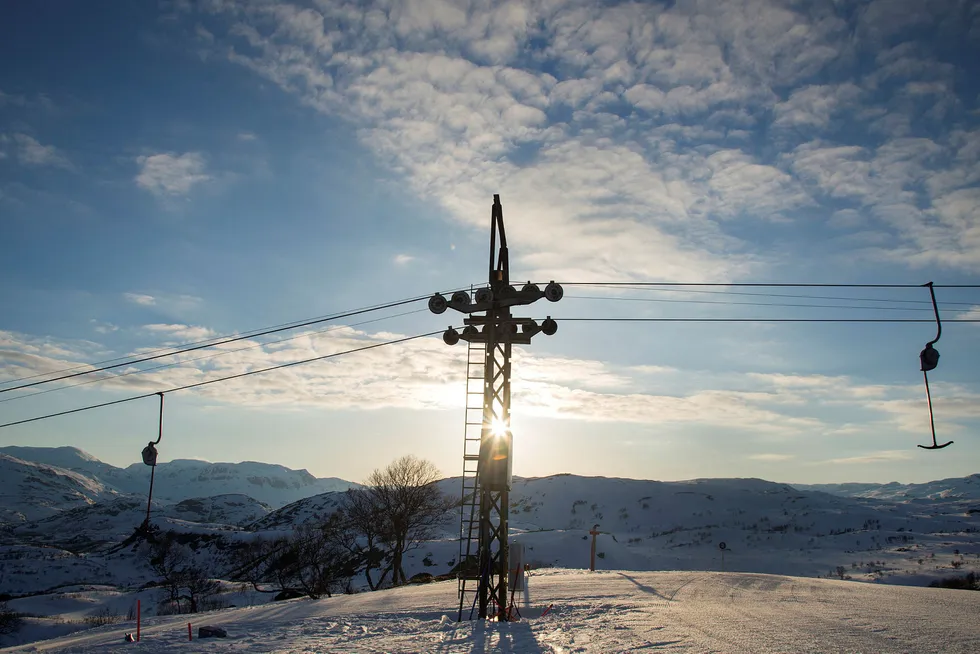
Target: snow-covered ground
point(606, 611)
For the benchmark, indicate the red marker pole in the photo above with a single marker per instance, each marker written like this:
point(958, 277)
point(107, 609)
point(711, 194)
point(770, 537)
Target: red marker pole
point(189, 631)
point(137, 621)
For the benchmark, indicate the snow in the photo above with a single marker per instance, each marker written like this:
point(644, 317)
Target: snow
point(604, 611)
point(31, 490)
point(176, 480)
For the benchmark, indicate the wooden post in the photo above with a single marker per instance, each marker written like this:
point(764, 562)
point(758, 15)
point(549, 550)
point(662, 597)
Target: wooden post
point(594, 531)
point(137, 621)
point(189, 637)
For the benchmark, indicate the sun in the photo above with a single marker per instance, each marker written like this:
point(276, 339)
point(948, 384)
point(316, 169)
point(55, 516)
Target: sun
point(498, 428)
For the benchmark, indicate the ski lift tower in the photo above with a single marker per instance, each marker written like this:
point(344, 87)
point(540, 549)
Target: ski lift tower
point(486, 489)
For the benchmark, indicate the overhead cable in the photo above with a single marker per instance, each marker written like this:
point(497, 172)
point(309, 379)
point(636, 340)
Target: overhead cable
point(232, 339)
point(870, 320)
point(751, 304)
point(796, 296)
point(213, 355)
point(766, 284)
point(222, 379)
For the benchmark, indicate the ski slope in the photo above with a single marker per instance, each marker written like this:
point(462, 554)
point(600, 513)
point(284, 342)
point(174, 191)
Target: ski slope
point(608, 611)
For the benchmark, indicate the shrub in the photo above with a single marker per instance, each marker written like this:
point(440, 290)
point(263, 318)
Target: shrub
point(105, 615)
point(969, 581)
point(10, 620)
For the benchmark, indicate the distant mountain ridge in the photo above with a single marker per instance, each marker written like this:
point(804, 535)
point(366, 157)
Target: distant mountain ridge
point(964, 488)
point(175, 481)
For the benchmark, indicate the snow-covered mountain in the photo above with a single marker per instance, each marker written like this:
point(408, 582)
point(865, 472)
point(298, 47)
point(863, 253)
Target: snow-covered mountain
point(177, 480)
point(31, 490)
point(966, 488)
point(912, 536)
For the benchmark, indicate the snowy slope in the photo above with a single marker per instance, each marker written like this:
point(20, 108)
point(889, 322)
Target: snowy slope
point(179, 480)
point(229, 509)
point(613, 611)
point(30, 491)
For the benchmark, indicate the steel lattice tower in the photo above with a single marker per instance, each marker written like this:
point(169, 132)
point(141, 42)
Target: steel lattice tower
point(498, 330)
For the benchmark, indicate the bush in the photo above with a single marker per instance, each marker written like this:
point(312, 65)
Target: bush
point(102, 617)
point(969, 581)
point(10, 620)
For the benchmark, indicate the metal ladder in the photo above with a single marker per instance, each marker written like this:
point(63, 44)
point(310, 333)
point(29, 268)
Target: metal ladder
point(468, 577)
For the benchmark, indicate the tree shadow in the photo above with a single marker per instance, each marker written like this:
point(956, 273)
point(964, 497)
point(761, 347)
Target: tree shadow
point(647, 589)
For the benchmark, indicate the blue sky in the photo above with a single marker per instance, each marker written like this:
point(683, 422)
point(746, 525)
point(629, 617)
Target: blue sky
point(174, 171)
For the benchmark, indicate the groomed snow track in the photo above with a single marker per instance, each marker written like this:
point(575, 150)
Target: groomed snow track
point(605, 611)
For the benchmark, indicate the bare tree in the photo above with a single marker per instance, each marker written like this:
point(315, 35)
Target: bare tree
point(400, 508)
point(365, 522)
point(181, 579)
point(315, 560)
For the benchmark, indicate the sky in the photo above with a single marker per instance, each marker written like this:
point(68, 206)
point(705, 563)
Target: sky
point(176, 171)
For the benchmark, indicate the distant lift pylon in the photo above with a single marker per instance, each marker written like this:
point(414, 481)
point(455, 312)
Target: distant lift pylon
point(497, 331)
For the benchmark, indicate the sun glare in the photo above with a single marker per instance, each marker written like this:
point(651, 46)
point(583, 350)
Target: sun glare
point(498, 427)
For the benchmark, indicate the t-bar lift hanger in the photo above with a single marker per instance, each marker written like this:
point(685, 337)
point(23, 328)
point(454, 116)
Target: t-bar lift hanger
point(150, 459)
point(929, 358)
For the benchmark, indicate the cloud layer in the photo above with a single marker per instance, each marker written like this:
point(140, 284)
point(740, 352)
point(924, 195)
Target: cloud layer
point(426, 375)
point(640, 140)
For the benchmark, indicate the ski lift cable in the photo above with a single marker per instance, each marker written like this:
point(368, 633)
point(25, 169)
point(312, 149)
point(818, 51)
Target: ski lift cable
point(213, 355)
point(223, 379)
point(231, 339)
point(752, 304)
point(787, 295)
point(823, 320)
point(764, 285)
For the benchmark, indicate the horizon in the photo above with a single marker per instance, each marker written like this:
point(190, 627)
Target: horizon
point(175, 171)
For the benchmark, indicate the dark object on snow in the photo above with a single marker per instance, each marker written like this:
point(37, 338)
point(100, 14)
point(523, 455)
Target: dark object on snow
point(287, 594)
point(421, 578)
point(129, 638)
point(211, 632)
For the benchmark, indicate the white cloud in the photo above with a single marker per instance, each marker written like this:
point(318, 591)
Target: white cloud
point(884, 456)
point(140, 298)
point(180, 332)
point(402, 259)
point(972, 314)
point(246, 136)
point(771, 457)
point(171, 174)
point(30, 152)
point(103, 327)
point(639, 138)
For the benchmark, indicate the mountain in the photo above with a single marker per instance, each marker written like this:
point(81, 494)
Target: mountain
point(178, 480)
point(271, 484)
point(883, 532)
point(967, 488)
point(31, 491)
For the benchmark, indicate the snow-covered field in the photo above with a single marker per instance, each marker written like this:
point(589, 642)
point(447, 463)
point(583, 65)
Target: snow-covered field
point(606, 611)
